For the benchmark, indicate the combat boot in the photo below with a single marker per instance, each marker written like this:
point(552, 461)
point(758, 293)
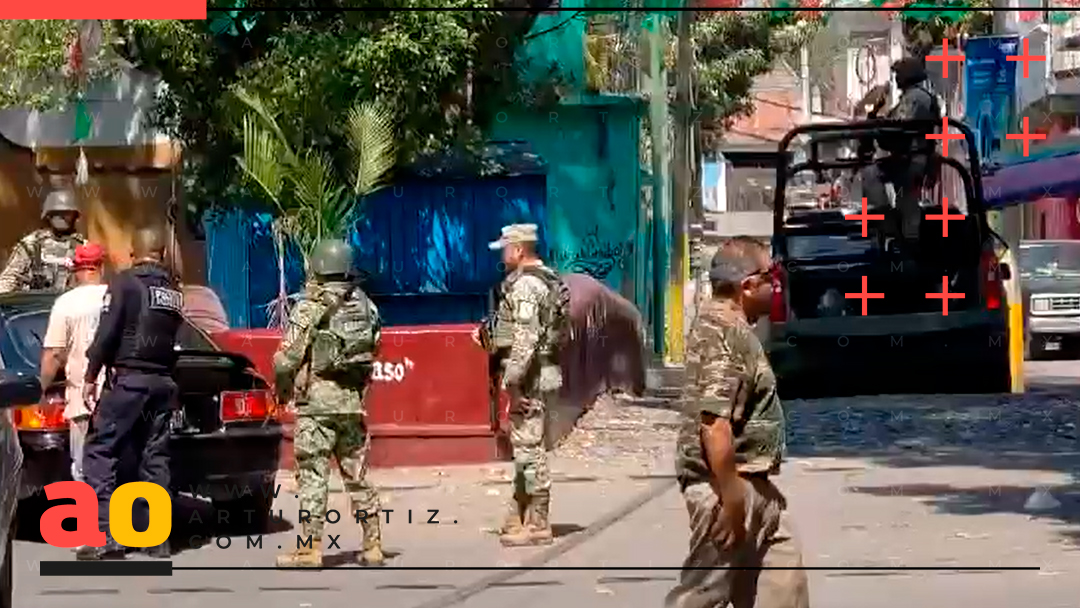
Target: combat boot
point(302, 556)
point(539, 521)
point(110, 551)
point(515, 514)
point(372, 554)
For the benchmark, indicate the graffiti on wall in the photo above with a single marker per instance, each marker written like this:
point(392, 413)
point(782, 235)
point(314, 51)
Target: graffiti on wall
point(596, 256)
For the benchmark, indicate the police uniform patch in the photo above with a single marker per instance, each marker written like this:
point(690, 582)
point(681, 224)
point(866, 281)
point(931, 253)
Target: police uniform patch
point(166, 299)
point(105, 301)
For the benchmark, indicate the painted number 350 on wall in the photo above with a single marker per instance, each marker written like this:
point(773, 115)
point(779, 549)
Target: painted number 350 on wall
point(391, 371)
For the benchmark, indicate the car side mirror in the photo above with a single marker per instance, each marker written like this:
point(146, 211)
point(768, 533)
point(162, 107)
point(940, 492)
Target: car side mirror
point(1006, 272)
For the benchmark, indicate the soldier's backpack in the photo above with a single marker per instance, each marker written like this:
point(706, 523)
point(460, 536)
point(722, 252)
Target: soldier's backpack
point(344, 341)
point(557, 315)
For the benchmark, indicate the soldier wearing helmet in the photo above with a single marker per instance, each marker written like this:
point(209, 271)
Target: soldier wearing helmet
point(324, 363)
point(41, 260)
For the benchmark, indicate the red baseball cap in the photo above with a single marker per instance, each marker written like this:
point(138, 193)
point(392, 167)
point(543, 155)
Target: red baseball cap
point(90, 255)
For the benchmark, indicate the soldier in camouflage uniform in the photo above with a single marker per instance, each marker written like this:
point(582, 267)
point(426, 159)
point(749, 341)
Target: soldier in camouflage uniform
point(40, 261)
point(324, 362)
point(732, 442)
point(523, 331)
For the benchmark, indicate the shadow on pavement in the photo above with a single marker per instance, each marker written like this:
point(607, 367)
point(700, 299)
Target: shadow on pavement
point(1036, 431)
point(352, 558)
point(561, 530)
point(990, 499)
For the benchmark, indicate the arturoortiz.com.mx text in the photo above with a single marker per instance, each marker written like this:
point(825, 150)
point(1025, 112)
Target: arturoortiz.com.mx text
point(160, 517)
point(331, 517)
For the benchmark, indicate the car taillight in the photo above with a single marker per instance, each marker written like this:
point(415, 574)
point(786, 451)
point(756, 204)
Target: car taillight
point(48, 417)
point(247, 405)
point(993, 289)
point(778, 308)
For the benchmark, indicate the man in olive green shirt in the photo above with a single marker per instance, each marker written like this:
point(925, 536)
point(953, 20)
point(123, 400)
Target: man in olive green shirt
point(731, 443)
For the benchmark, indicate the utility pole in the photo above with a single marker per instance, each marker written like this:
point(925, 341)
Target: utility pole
point(698, 262)
point(807, 90)
point(682, 176)
point(1007, 223)
point(656, 32)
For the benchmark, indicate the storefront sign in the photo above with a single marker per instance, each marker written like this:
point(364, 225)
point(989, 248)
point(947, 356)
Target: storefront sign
point(990, 89)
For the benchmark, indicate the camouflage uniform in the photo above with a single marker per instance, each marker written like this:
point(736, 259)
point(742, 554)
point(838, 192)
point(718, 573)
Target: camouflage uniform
point(41, 259)
point(330, 421)
point(530, 372)
point(729, 376)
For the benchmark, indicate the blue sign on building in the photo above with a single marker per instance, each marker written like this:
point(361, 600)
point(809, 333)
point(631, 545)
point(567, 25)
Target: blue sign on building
point(990, 91)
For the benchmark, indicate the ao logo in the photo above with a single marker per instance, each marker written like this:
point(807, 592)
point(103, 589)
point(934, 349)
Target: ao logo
point(85, 514)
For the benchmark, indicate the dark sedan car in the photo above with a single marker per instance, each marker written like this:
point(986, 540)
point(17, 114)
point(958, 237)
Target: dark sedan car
point(226, 439)
point(10, 466)
point(1050, 281)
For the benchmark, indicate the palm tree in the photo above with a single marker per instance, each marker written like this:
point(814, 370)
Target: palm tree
point(312, 202)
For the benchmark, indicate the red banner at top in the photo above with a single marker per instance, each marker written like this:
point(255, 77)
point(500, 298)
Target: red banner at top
point(102, 9)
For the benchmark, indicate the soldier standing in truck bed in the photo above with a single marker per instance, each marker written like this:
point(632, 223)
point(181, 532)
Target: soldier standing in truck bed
point(41, 260)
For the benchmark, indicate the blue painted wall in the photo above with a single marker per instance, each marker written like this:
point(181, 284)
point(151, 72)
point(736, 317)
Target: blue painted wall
point(423, 243)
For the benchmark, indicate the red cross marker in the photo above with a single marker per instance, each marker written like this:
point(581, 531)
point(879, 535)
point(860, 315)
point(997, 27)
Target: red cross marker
point(944, 217)
point(1027, 137)
point(945, 58)
point(864, 296)
point(1026, 58)
point(945, 296)
point(945, 135)
point(863, 217)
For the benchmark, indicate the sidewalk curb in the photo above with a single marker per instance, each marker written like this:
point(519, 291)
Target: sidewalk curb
point(458, 596)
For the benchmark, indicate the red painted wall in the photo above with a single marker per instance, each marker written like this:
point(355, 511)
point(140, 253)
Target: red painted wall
point(1055, 217)
point(428, 402)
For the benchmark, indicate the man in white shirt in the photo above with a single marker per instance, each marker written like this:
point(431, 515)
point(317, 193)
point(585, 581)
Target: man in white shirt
point(72, 324)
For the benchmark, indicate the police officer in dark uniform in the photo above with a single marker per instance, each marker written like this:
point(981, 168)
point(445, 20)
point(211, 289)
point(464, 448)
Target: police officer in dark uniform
point(129, 432)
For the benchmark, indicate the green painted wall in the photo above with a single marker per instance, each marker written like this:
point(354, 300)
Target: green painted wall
point(591, 144)
point(559, 40)
point(594, 186)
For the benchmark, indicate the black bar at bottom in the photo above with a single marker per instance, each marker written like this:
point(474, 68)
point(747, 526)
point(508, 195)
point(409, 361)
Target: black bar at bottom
point(107, 568)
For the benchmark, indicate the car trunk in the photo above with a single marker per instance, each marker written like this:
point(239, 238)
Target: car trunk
point(202, 377)
point(826, 266)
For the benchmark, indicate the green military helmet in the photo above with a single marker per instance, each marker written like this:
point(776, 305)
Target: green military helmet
point(59, 201)
point(332, 257)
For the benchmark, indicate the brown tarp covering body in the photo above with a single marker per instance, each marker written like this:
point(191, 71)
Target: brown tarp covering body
point(606, 351)
point(204, 309)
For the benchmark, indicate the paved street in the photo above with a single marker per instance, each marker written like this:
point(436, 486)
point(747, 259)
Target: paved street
point(918, 481)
